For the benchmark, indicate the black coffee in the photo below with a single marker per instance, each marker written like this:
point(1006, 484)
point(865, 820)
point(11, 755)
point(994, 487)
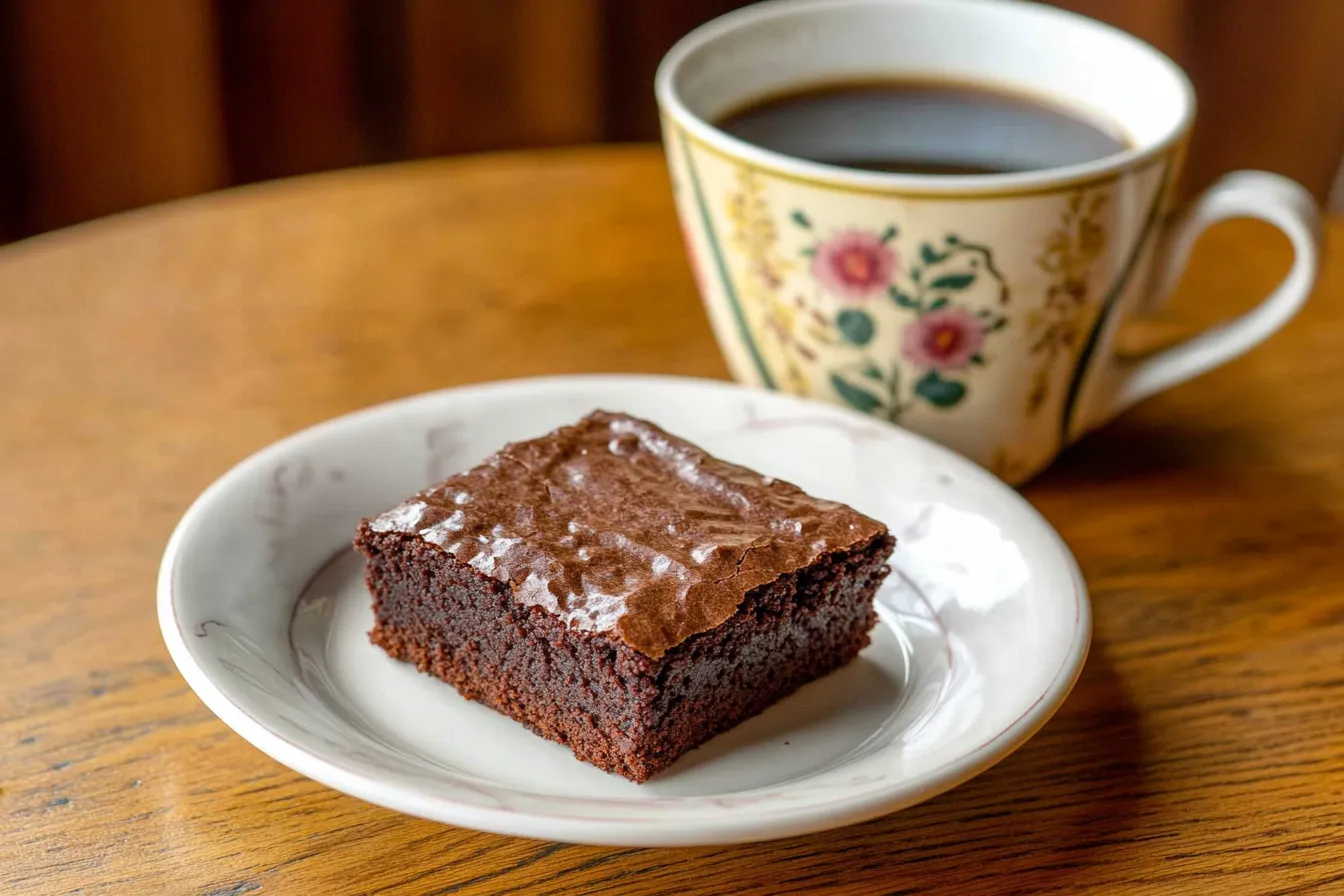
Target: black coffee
point(923, 127)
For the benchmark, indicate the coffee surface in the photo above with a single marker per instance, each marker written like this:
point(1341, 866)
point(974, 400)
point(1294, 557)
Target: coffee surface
point(924, 127)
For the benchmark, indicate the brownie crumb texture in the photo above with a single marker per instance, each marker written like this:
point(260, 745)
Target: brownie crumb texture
point(512, 582)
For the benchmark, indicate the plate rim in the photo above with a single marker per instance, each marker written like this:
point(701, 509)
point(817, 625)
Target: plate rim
point(725, 828)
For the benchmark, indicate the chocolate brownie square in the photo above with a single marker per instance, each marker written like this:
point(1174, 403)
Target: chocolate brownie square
point(618, 590)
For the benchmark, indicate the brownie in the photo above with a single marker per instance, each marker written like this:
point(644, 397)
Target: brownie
point(618, 590)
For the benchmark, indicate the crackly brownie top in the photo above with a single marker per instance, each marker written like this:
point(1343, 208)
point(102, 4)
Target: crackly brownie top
point(616, 526)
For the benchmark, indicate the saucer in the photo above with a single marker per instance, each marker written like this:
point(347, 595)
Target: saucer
point(984, 628)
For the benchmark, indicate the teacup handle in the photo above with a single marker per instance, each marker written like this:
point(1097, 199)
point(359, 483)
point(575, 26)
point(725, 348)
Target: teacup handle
point(1241, 194)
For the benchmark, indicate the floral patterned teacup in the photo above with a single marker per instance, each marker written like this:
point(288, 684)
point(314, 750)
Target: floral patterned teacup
point(980, 310)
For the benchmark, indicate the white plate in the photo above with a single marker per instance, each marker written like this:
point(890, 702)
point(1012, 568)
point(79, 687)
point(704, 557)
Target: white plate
point(985, 625)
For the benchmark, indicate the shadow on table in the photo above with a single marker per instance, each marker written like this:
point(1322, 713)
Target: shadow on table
point(1138, 447)
point(1194, 449)
point(1185, 511)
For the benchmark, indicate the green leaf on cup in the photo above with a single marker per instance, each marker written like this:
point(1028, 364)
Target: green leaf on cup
point(978, 359)
point(855, 325)
point(859, 399)
point(937, 303)
point(872, 371)
point(938, 391)
point(997, 325)
point(889, 234)
point(902, 299)
point(801, 219)
point(953, 281)
point(930, 257)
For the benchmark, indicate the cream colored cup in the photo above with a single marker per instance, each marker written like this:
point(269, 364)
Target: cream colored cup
point(979, 310)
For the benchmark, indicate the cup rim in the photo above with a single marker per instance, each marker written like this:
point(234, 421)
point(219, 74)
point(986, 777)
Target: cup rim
point(699, 130)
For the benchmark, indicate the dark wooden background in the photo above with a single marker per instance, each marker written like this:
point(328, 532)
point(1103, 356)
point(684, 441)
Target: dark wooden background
point(110, 104)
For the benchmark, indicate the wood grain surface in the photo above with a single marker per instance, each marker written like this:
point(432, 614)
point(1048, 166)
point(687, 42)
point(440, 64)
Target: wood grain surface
point(141, 356)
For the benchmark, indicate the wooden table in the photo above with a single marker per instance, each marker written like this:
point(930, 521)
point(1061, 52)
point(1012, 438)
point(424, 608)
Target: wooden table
point(1202, 751)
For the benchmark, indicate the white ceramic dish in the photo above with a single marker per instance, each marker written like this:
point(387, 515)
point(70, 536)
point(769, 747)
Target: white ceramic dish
point(985, 625)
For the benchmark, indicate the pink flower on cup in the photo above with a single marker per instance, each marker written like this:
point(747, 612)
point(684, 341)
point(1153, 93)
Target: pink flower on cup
point(944, 339)
point(854, 263)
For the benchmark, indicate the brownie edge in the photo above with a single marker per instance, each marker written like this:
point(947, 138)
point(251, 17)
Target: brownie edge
point(614, 707)
point(617, 590)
